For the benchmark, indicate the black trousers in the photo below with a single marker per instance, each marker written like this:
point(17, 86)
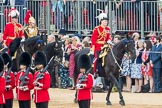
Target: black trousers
point(84, 103)
point(1, 105)
point(24, 104)
point(42, 105)
point(9, 103)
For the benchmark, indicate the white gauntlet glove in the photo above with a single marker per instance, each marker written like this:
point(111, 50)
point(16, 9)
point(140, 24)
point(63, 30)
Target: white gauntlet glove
point(23, 39)
point(110, 42)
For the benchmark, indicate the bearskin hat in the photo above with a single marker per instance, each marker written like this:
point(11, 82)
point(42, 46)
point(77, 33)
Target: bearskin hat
point(14, 46)
point(25, 59)
point(84, 61)
point(7, 60)
point(1, 64)
point(40, 58)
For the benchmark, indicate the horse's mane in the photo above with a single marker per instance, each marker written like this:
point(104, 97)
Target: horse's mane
point(32, 40)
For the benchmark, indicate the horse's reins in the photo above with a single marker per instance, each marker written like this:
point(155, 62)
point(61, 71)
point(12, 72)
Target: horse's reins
point(120, 68)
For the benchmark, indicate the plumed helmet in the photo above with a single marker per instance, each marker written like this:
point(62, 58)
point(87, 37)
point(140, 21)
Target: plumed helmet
point(102, 16)
point(62, 31)
point(25, 59)
point(40, 58)
point(1, 64)
point(27, 16)
point(7, 60)
point(84, 61)
point(14, 13)
point(32, 20)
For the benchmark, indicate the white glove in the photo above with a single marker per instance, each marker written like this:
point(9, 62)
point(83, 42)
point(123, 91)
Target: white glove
point(110, 42)
point(23, 39)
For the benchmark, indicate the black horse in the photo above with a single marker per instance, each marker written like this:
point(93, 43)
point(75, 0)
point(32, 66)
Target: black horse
point(30, 45)
point(112, 64)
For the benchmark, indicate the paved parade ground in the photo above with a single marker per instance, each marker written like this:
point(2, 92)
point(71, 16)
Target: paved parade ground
point(63, 98)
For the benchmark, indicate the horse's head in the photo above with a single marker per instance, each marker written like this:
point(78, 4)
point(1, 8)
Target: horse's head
point(130, 47)
point(54, 49)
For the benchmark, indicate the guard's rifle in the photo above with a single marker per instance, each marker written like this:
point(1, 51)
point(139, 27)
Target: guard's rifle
point(24, 79)
point(41, 74)
point(84, 77)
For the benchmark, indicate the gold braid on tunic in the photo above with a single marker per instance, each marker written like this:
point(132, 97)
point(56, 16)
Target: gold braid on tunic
point(31, 33)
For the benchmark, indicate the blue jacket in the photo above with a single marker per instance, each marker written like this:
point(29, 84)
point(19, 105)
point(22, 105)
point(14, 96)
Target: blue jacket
point(156, 57)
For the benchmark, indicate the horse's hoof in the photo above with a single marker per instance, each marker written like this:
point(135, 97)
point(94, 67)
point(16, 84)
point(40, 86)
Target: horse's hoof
point(75, 100)
point(122, 103)
point(108, 103)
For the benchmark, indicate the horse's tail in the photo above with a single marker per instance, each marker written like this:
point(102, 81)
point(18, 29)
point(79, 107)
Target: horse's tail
point(14, 46)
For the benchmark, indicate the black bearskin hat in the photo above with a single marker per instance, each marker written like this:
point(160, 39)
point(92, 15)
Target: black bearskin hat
point(84, 61)
point(1, 64)
point(14, 46)
point(25, 59)
point(40, 58)
point(7, 60)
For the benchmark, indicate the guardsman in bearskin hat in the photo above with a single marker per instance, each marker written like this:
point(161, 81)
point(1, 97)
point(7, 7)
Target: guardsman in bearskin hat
point(12, 29)
point(30, 30)
point(24, 81)
point(10, 81)
point(84, 82)
point(100, 36)
point(2, 83)
point(41, 81)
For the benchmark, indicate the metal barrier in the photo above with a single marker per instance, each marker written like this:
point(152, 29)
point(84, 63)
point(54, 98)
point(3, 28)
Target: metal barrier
point(80, 15)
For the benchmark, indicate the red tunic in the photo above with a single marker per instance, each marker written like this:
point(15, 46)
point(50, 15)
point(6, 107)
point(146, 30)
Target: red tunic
point(100, 36)
point(9, 93)
point(86, 92)
point(42, 95)
point(24, 95)
point(11, 31)
point(2, 89)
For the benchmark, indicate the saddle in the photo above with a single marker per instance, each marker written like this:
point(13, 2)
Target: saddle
point(104, 52)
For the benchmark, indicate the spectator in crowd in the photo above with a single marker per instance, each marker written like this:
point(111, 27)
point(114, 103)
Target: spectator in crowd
point(53, 74)
point(51, 38)
point(65, 49)
point(31, 30)
point(61, 34)
point(116, 39)
point(126, 65)
point(12, 29)
point(156, 63)
point(72, 49)
point(64, 75)
point(136, 67)
point(2, 83)
point(146, 68)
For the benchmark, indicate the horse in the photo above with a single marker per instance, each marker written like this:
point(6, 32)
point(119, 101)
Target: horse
point(30, 45)
point(112, 62)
